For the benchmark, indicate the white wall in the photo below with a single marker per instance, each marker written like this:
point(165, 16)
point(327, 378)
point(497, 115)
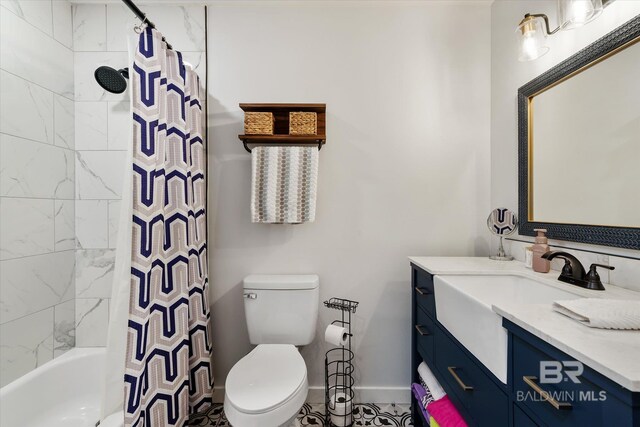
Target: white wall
point(405, 169)
point(36, 185)
point(507, 75)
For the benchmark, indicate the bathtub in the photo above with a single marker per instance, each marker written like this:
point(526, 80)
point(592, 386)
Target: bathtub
point(63, 392)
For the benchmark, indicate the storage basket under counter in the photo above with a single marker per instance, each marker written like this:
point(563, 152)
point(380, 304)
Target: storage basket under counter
point(339, 368)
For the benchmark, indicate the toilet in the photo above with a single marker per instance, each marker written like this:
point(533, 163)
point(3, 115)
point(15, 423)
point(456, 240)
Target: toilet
point(268, 386)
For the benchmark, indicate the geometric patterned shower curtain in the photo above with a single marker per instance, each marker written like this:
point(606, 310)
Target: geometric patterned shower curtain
point(168, 373)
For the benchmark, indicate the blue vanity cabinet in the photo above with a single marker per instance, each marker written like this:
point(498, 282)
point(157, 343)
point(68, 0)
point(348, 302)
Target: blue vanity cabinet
point(420, 349)
point(521, 419)
point(589, 400)
point(483, 400)
point(486, 403)
point(469, 384)
point(424, 292)
point(424, 330)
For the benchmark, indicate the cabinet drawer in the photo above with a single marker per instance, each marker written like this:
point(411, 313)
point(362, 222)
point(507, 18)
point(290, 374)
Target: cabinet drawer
point(482, 398)
point(423, 289)
point(424, 330)
point(520, 419)
point(562, 401)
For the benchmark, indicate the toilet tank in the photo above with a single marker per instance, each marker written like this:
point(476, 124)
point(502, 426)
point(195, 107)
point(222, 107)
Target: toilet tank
point(281, 309)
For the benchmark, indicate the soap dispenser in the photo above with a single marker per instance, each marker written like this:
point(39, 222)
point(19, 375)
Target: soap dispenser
point(540, 264)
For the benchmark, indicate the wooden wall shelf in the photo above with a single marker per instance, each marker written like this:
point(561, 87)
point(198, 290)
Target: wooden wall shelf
point(281, 135)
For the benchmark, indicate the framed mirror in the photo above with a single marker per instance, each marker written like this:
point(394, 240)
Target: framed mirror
point(579, 145)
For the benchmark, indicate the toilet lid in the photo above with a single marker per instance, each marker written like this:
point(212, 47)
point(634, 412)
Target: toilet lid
point(265, 378)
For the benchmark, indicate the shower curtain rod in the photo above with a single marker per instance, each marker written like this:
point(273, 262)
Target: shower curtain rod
point(142, 16)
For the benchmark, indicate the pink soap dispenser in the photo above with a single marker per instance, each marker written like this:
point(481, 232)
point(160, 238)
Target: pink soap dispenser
point(540, 264)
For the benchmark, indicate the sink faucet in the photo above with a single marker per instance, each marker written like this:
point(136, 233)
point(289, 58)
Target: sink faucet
point(573, 272)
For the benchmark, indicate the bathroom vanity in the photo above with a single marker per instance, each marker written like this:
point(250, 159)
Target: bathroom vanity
point(485, 327)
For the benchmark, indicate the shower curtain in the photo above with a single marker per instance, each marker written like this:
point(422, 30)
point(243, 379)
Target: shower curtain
point(167, 373)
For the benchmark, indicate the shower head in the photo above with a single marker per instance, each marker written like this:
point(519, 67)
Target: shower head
point(112, 80)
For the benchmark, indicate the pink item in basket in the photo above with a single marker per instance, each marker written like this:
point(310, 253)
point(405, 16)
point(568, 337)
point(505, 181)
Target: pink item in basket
point(445, 414)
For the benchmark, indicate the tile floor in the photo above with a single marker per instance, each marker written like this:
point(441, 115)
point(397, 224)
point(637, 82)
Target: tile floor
point(366, 414)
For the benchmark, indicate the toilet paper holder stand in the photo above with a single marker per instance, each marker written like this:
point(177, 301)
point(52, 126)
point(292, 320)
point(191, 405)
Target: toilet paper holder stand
point(339, 369)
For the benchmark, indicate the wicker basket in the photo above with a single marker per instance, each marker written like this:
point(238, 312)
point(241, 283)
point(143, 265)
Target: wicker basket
point(303, 123)
point(258, 123)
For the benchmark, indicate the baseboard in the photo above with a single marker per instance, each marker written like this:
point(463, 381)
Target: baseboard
point(399, 395)
point(218, 394)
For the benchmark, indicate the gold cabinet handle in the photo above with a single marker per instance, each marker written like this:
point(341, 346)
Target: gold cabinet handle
point(422, 330)
point(421, 291)
point(452, 371)
point(531, 382)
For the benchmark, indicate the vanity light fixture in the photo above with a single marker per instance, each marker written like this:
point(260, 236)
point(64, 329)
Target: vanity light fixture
point(533, 39)
point(532, 33)
point(576, 13)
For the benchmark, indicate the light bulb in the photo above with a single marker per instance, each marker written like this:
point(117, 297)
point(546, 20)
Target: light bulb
point(576, 13)
point(529, 48)
point(532, 39)
point(580, 11)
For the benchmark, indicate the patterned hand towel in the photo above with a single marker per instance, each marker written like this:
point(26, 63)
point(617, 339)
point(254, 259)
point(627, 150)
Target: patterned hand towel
point(602, 313)
point(430, 381)
point(422, 397)
point(284, 184)
point(422, 393)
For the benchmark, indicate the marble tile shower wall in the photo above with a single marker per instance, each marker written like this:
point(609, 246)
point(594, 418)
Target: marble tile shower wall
point(37, 239)
point(100, 34)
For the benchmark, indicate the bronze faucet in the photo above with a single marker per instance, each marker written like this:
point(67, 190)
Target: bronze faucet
point(573, 272)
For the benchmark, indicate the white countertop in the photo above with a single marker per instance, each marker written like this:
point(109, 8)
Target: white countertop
point(614, 354)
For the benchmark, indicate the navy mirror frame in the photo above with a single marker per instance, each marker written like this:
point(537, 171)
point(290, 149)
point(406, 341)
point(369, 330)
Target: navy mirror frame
point(622, 237)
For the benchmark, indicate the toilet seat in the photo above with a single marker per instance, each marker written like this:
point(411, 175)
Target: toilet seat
point(268, 383)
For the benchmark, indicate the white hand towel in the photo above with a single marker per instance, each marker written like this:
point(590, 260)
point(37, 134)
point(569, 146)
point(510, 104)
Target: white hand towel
point(284, 184)
point(431, 382)
point(602, 313)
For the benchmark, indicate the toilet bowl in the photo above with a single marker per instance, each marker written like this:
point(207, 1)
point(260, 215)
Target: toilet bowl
point(267, 387)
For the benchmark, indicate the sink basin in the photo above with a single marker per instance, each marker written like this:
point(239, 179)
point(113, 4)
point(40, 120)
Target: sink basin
point(463, 306)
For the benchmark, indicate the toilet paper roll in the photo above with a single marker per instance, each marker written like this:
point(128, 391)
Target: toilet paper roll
point(336, 335)
point(340, 410)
